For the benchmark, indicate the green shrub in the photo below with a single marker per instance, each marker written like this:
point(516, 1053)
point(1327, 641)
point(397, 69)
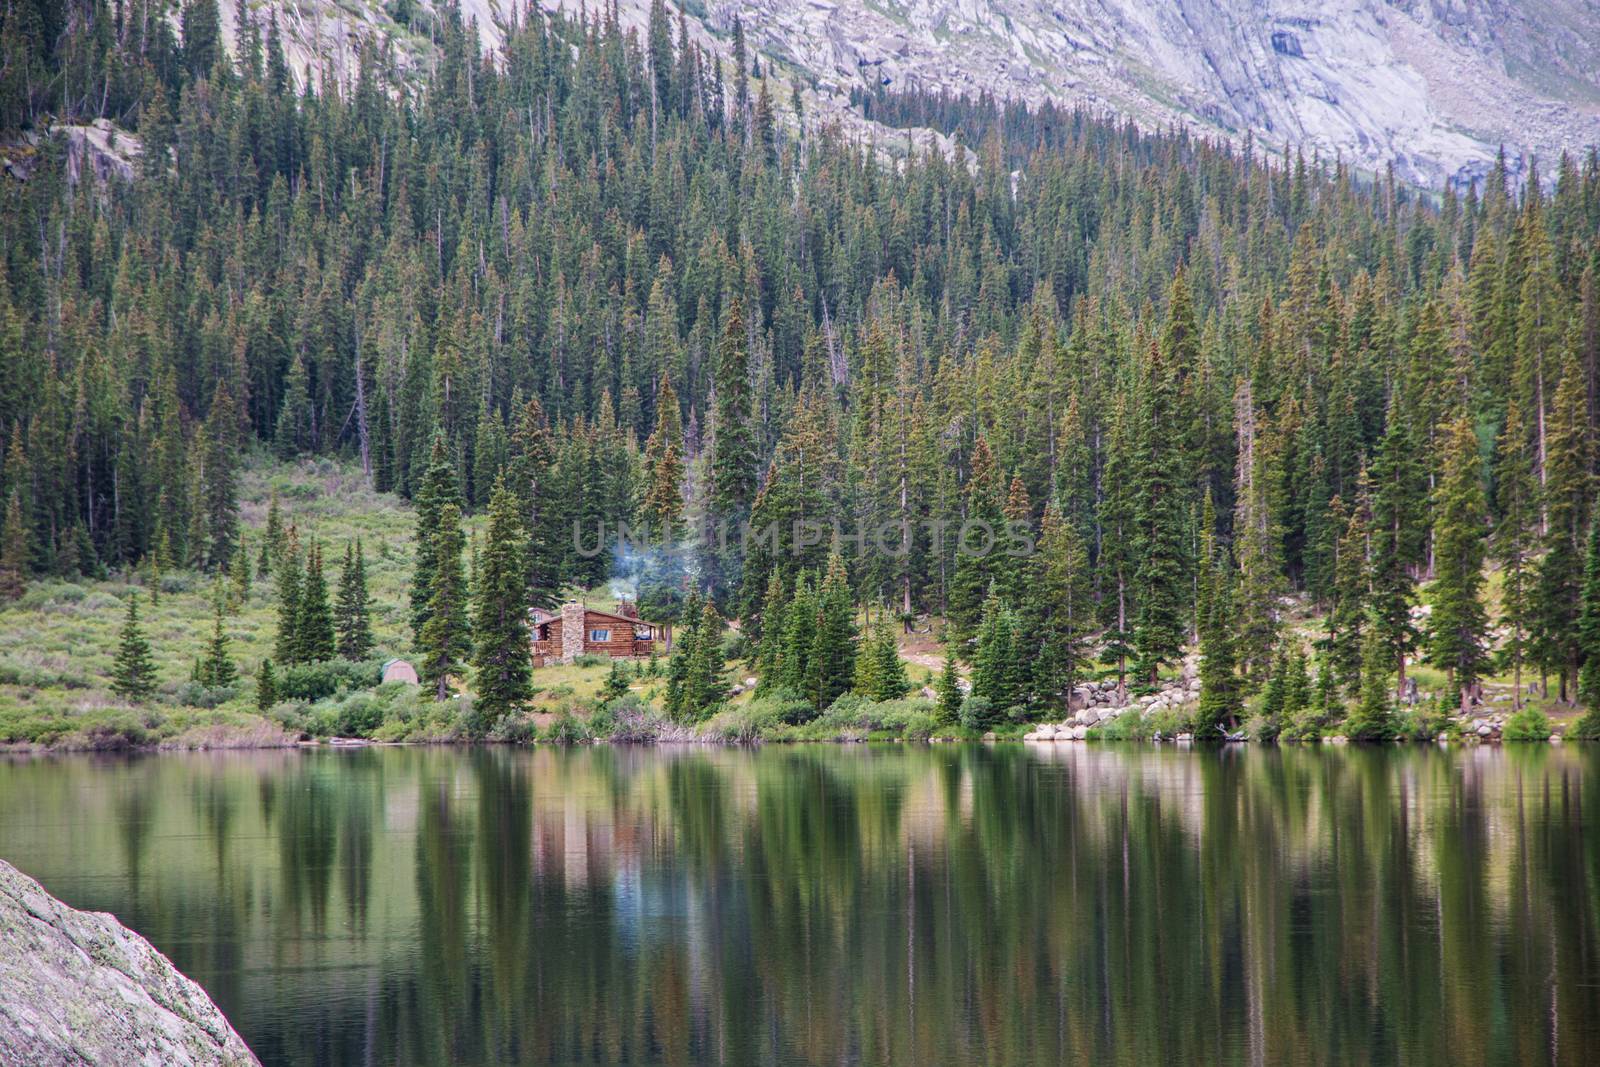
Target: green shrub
point(590, 659)
point(117, 734)
point(1529, 724)
point(317, 681)
point(1129, 726)
point(518, 728)
point(197, 695)
point(568, 729)
point(1427, 721)
point(920, 725)
point(1168, 722)
point(791, 707)
point(977, 714)
point(358, 715)
point(855, 716)
point(1586, 728)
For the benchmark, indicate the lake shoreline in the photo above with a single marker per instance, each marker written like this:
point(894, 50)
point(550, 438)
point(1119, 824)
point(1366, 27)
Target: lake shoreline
point(223, 742)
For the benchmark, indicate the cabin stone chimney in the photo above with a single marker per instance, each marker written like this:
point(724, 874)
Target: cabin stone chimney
point(572, 631)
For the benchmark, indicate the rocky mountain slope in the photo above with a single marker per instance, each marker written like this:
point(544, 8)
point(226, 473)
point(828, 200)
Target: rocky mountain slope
point(1433, 85)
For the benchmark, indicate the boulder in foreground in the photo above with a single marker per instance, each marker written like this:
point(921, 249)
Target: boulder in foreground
point(78, 987)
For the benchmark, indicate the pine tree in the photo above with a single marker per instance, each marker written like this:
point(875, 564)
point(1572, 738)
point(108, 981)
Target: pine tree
point(949, 688)
point(662, 507)
point(733, 455)
point(880, 674)
point(239, 576)
point(1396, 541)
point(500, 626)
point(533, 480)
point(437, 492)
point(13, 550)
point(1274, 700)
point(1566, 496)
point(769, 653)
point(679, 700)
point(202, 36)
point(445, 640)
point(133, 675)
point(218, 503)
point(892, 682)
point(1589, 623)
point(615, 686)
point(1515, 541)
point(266, 687)
point(831, 665)
point(1373, 718)
point(996, 668)
point(976, 543)
point(1159, 530)
point(1058, 610)
point(293, 433)
point(705, 686)
point(314, 639)
point(1117, 560)
point(287, 646)
point(1458, 627)
point(352, 615)
point(272, 545)
point(799, 638)
point(1219, 703)
point(1347, 613)
point(216, 669)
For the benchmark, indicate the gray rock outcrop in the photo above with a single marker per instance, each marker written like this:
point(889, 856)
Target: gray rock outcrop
point(78, 987)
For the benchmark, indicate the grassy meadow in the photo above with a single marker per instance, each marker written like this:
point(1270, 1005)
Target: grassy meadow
point(58, 642)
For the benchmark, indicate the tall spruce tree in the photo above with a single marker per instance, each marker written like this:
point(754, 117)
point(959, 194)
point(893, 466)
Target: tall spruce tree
point(949, 688)
point(1567, 490)
point(679, 698)
point(997, 669)
point(13, 550)
point(1458, 626)
point(352, 613)
point(1057, 610)
point(831, 664)
point(1397, 540)
point(445, 639)
point(1159, 529)
point(1589, 622)
point(500, 626)
point(733, 457)
point(289, 579)
point(133, 674)
point(1373, 718)
point(1516, 541)
point(769, 651)
point(217, 670)
point(439, 490)
point(1219, 703)
point(314, 638)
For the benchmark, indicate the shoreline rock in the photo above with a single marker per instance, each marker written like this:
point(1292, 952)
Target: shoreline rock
point(78, 987)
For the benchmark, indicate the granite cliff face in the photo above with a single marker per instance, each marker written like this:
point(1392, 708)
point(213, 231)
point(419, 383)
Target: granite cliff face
point(1433, 85)
point(78, 987)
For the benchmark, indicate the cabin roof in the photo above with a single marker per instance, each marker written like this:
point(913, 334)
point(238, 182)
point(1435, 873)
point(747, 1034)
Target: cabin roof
point(632, 620)
point(540, 615)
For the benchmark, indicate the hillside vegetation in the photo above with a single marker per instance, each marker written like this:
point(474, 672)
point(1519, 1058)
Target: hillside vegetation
point(589, 281)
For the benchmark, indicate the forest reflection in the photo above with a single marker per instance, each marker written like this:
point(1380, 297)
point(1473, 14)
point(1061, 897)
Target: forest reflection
point(851, 904)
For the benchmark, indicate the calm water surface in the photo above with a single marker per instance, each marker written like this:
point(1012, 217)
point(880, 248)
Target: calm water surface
point(852, 905)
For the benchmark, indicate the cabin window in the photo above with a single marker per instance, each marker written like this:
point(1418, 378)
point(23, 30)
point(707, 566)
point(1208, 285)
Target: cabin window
point(600, 635)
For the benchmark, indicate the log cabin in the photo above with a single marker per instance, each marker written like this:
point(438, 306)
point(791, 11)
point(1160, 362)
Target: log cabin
point(575, 629)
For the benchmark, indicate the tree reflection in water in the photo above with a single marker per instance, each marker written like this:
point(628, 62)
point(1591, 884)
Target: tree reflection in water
point(828, 904)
